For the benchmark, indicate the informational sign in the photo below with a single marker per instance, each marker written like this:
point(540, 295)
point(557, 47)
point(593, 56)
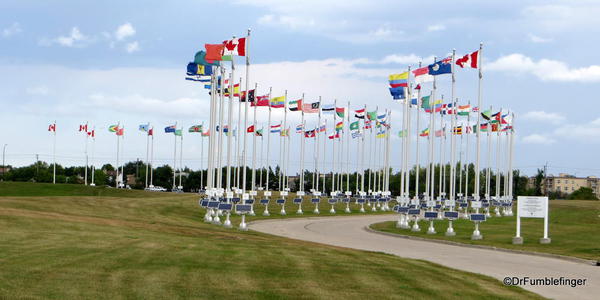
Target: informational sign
point(267, 193)
point(253, 193)
point(532, 207)
point(264, 201)
point(314, 200)
point(297, 200)
point(317, 193)
point(451, 215)
point(300, 193)
point(283, 193)
point(348, 193)
point(229, 195)
point(280, 201)
point(476, 204)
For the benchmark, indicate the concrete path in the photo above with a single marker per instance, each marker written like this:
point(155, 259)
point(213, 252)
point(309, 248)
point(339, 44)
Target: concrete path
point(350, 232)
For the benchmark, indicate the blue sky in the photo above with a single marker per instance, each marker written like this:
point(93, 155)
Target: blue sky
point(109, 61)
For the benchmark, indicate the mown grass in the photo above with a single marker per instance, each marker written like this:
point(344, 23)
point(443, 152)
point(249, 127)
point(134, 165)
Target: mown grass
point(156, 246)
point(574, 227)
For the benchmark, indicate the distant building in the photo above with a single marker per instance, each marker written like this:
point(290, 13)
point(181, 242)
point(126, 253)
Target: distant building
point(567, 184)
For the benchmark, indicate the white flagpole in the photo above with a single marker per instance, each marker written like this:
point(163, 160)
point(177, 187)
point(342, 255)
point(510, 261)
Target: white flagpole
point(417, 132)
point(152, 158)
point(86, 154)
point(333, 147)
point(123, 175)
point(303, 137)
point(174, 155)
point(283, 174)
point(432, 140)
point(348, 139)
point(323, 160)
point(488, 170)
point(287, 163)
point(117, 166)
point(362, 151)
point(253, 186)
point(467, 152)
point(262, 162)
point(510, 161)
point(478, 158)
point(498, 141)
point(441, 184)
point(147, 147)
point(93, 153)
point(237, 139)
point(246, 116)
point(453, 125)
point(268, 141)
point(211, 133)
point(201, 157)
point(230, 125)
point(406, 133)
point(218, 149)
point(53, 156)
point(180, 160)
point(317, 146)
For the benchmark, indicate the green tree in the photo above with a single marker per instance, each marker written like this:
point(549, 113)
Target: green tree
point(583, 193)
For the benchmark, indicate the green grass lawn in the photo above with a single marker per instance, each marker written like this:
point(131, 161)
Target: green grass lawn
point(574, 227)
point(155, 245)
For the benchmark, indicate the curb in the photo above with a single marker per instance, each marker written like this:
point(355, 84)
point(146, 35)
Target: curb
point(548, 255)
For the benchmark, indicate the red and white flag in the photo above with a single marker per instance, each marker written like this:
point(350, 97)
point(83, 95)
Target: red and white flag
point(52, 127)
point(359, 113)
point(250, 129)
point(422, 75)
point(83, 128)
point(470, 60)
point(236, 46)
point(92, 133)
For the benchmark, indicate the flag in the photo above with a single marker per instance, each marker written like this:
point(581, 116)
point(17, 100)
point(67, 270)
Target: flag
point(121, 131)
point(440, 67)
point(425, 102)
point(197, 69)
point(356, 134)
point(311, 108)
point(398, 93)
point(470, 60)
point(354, 125)
point(250, 96)
point(310, 133)
point(225, 128)
point(113, 128)
point(236, 90)
point(144, 127)
point(495, 127)
point(261, 101)
point(199, 78)
point(277, 102)
point(437, 105)
point(448, 109)
point(339, 126)
point(250, 129)
point(295, 105)
point(487, 114)
point(92, 133)
point(259, 132)
point(403, 133)
point(335, 135)
point(235, 46)
point(439, 133)
point(381, 134)
point(52, 127)
point(178, 132)
point(195, 128)
point(340, 111)
point(399, 80)
point(372, 115)
point(359, 113)
point(476, 109)
point(507, 128)
point(422, 75)
point(275, 128)
point(367, 124)
point(200, 58)
point(464, 110)
point(299, 128)
point(83, 128)
point(328, 108)
point(214, 51)
point(457, 130)
point(151, 131)
point(322, 128)
point(381, 117)
point(170, 129)
point(484, 127)
point(424, 132)
point(285, 132)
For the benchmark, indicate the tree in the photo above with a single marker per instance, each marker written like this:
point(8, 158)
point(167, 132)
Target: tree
point(583, 193)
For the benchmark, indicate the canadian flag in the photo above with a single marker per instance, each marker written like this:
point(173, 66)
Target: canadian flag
point(52, 127)
point(83, 128)
point(469, 60)
point(236, 46)
point(92, 133)
point(250, 129)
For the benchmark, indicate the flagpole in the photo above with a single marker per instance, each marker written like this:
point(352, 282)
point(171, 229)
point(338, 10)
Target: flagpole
point(262, 162)
point(287, 163)
point(488, 175)
point(180, 160)
point(454, 111)
point(211, 133)
point(478, 159)
point(220, 135)
point(253, 186)
point(117, 166)
point(237, 138)
point(93, 154)
point(147, 146)
point(246, 115)
point(406, 132)
point(302, 145)
point(201, 157)
point(269, 139)
point(86, 154)
point(348, 139)
point(431, 139)
point(174, 155)
point(498, 140)
point(123, 175)
point(283, 162)
point(323, 160)
point(466, 196)
point(417, 132)
point(230, 126)
point(362, 153)
point(53, 155)
point(333, 147)
point(510, 162)
point(441, 185)
point(151, 157)
point(317, 146)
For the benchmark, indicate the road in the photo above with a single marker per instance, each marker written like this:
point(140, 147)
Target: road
point(350, 232)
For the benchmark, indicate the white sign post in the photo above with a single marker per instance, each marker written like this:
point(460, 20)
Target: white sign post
point(532, 207)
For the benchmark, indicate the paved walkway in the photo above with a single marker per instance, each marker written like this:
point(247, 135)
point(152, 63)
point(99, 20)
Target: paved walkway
point(350, 232)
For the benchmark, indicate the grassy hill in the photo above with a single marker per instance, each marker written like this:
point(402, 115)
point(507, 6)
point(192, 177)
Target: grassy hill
point(134, 244)
point(22, 189)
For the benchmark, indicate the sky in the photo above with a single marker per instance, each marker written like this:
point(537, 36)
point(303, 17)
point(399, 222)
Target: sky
point(106, 62)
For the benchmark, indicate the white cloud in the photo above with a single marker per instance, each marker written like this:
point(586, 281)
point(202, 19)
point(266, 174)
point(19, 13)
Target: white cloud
point(537, 39)
point(437, 27)
point(406, 59)
point(132, 47)
point(586, 132)
point(287, 21)
point(545, 69)
point(74, 39)
point(540, 115)
point(538, 139)
point(124, 31)
point(13, 29)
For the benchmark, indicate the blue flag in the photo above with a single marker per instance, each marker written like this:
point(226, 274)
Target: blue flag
point(169, 129)
point(196, 69)
point(440, 67)
point(397, 93)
